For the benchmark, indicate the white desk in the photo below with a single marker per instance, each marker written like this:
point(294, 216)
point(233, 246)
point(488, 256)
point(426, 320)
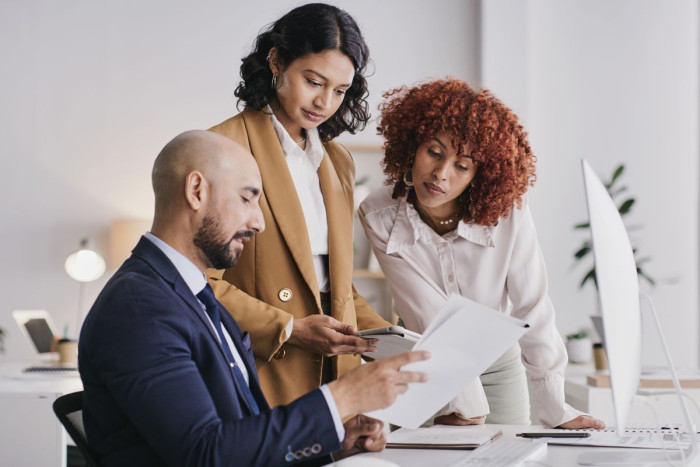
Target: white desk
point(30, 433)
point(557, 456)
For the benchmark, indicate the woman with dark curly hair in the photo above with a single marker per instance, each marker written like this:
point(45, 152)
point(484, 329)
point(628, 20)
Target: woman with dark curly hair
point(455, 219)
point(302, 85)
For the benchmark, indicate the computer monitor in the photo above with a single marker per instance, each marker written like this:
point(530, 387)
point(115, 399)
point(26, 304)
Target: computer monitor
point(618, 293)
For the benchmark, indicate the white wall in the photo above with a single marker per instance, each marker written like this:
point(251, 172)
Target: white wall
point(609, 81)
point(91, 91)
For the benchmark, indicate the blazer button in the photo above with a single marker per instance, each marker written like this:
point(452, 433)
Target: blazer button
point(285, 294)
point(279, 354)
point(316, 448)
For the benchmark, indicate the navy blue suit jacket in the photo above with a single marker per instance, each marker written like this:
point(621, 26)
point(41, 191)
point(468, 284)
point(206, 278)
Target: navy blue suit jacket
point(158, 390)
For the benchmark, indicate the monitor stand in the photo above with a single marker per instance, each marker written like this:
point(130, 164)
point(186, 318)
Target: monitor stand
point(647, 457)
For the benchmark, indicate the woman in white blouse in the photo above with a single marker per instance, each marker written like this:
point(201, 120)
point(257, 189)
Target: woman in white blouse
point(455, 219)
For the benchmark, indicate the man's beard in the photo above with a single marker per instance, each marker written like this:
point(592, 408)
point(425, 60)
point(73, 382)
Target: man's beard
point(217, 251)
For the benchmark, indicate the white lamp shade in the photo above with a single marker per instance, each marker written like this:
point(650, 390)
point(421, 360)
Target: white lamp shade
point(85, 265)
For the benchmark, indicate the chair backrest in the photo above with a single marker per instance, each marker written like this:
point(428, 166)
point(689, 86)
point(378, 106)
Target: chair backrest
point(69, 410)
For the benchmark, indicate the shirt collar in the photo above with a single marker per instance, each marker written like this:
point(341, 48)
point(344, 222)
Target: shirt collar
point(190, 273)
point(409, 229)
point(314, 148)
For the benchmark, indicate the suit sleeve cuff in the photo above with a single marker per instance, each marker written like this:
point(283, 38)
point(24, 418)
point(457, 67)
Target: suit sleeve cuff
point(288, 330)
point(337, 420)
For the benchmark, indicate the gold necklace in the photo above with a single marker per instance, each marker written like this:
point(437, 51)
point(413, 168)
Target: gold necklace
point(448, 221)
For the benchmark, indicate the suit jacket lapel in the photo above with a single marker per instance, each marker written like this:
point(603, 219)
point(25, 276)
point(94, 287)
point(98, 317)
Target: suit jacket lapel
point(340, 230)
point(151, 254)
point(277, 186)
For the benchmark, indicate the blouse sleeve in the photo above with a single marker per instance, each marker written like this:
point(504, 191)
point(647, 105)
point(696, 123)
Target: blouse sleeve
point(543, 351)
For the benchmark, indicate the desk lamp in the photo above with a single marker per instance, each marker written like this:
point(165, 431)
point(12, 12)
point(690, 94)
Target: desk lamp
point(85, 265)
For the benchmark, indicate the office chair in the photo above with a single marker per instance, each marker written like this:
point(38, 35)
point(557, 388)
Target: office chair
point(69, 410)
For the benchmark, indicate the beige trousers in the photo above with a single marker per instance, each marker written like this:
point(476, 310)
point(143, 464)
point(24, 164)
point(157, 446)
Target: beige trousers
point(505, 385)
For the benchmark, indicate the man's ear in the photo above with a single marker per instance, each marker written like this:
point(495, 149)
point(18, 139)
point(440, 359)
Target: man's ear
point(196, 190)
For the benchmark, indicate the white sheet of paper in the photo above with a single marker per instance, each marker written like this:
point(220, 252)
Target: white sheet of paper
point(463, 339)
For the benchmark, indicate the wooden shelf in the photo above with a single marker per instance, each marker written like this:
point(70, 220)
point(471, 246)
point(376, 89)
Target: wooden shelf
point(367, 274)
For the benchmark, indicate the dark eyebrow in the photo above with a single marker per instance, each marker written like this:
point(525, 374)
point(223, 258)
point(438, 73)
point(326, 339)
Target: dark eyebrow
point(326, 79)
point(437, 140)
point(253, 190)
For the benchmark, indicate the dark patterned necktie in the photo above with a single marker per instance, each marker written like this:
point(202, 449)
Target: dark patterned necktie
point(206, 296)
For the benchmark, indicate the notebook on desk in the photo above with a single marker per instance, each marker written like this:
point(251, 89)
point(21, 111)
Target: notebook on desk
point(38, 330)
point(443, 437)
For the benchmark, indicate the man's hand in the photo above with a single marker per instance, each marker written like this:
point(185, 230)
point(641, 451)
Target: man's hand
point(375, 385)
point(583, 421)
point(327, 336)
point(454, 419)
point(362, 434)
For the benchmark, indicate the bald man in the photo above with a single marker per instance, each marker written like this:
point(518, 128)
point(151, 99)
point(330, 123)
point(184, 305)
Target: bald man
point(169, 378)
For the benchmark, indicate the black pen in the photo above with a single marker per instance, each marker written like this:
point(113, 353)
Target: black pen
point(556, 434)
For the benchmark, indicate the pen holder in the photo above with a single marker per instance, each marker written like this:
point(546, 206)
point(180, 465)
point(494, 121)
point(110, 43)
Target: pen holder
point(600, 359)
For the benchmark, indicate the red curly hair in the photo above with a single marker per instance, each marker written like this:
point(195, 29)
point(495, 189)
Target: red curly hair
point(505, 163)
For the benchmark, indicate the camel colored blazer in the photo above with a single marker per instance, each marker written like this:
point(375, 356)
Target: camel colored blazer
point(274, 280)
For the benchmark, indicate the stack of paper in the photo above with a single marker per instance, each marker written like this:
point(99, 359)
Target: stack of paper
point(442, 437)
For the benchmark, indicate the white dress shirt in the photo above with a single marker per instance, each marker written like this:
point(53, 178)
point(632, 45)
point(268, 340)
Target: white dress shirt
point(195, 280)
point(501, 267)
point(303, 165)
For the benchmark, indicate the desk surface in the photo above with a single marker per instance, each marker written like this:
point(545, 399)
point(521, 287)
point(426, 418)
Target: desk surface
point(13, 380)
point(557, 456)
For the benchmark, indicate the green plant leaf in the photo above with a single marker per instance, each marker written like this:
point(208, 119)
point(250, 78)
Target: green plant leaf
point(585, 225)
point(617, 191)
point(616, 174)
point(361, 180)
point(643, 275)
point(626, 206)
point(590, 275)
point(582, 252)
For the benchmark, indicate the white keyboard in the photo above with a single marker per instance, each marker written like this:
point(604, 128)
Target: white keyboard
point(503, 452)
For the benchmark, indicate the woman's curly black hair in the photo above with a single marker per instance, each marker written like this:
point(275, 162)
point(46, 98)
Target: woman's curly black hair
point(499, 145)
point(310, 28)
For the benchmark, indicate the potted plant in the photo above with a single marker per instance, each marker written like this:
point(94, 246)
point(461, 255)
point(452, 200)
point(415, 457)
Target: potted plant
point(616, 190)
point(579, 347)
point(624, 208)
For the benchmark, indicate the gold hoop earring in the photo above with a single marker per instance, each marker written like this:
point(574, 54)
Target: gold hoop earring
point(408, 178)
